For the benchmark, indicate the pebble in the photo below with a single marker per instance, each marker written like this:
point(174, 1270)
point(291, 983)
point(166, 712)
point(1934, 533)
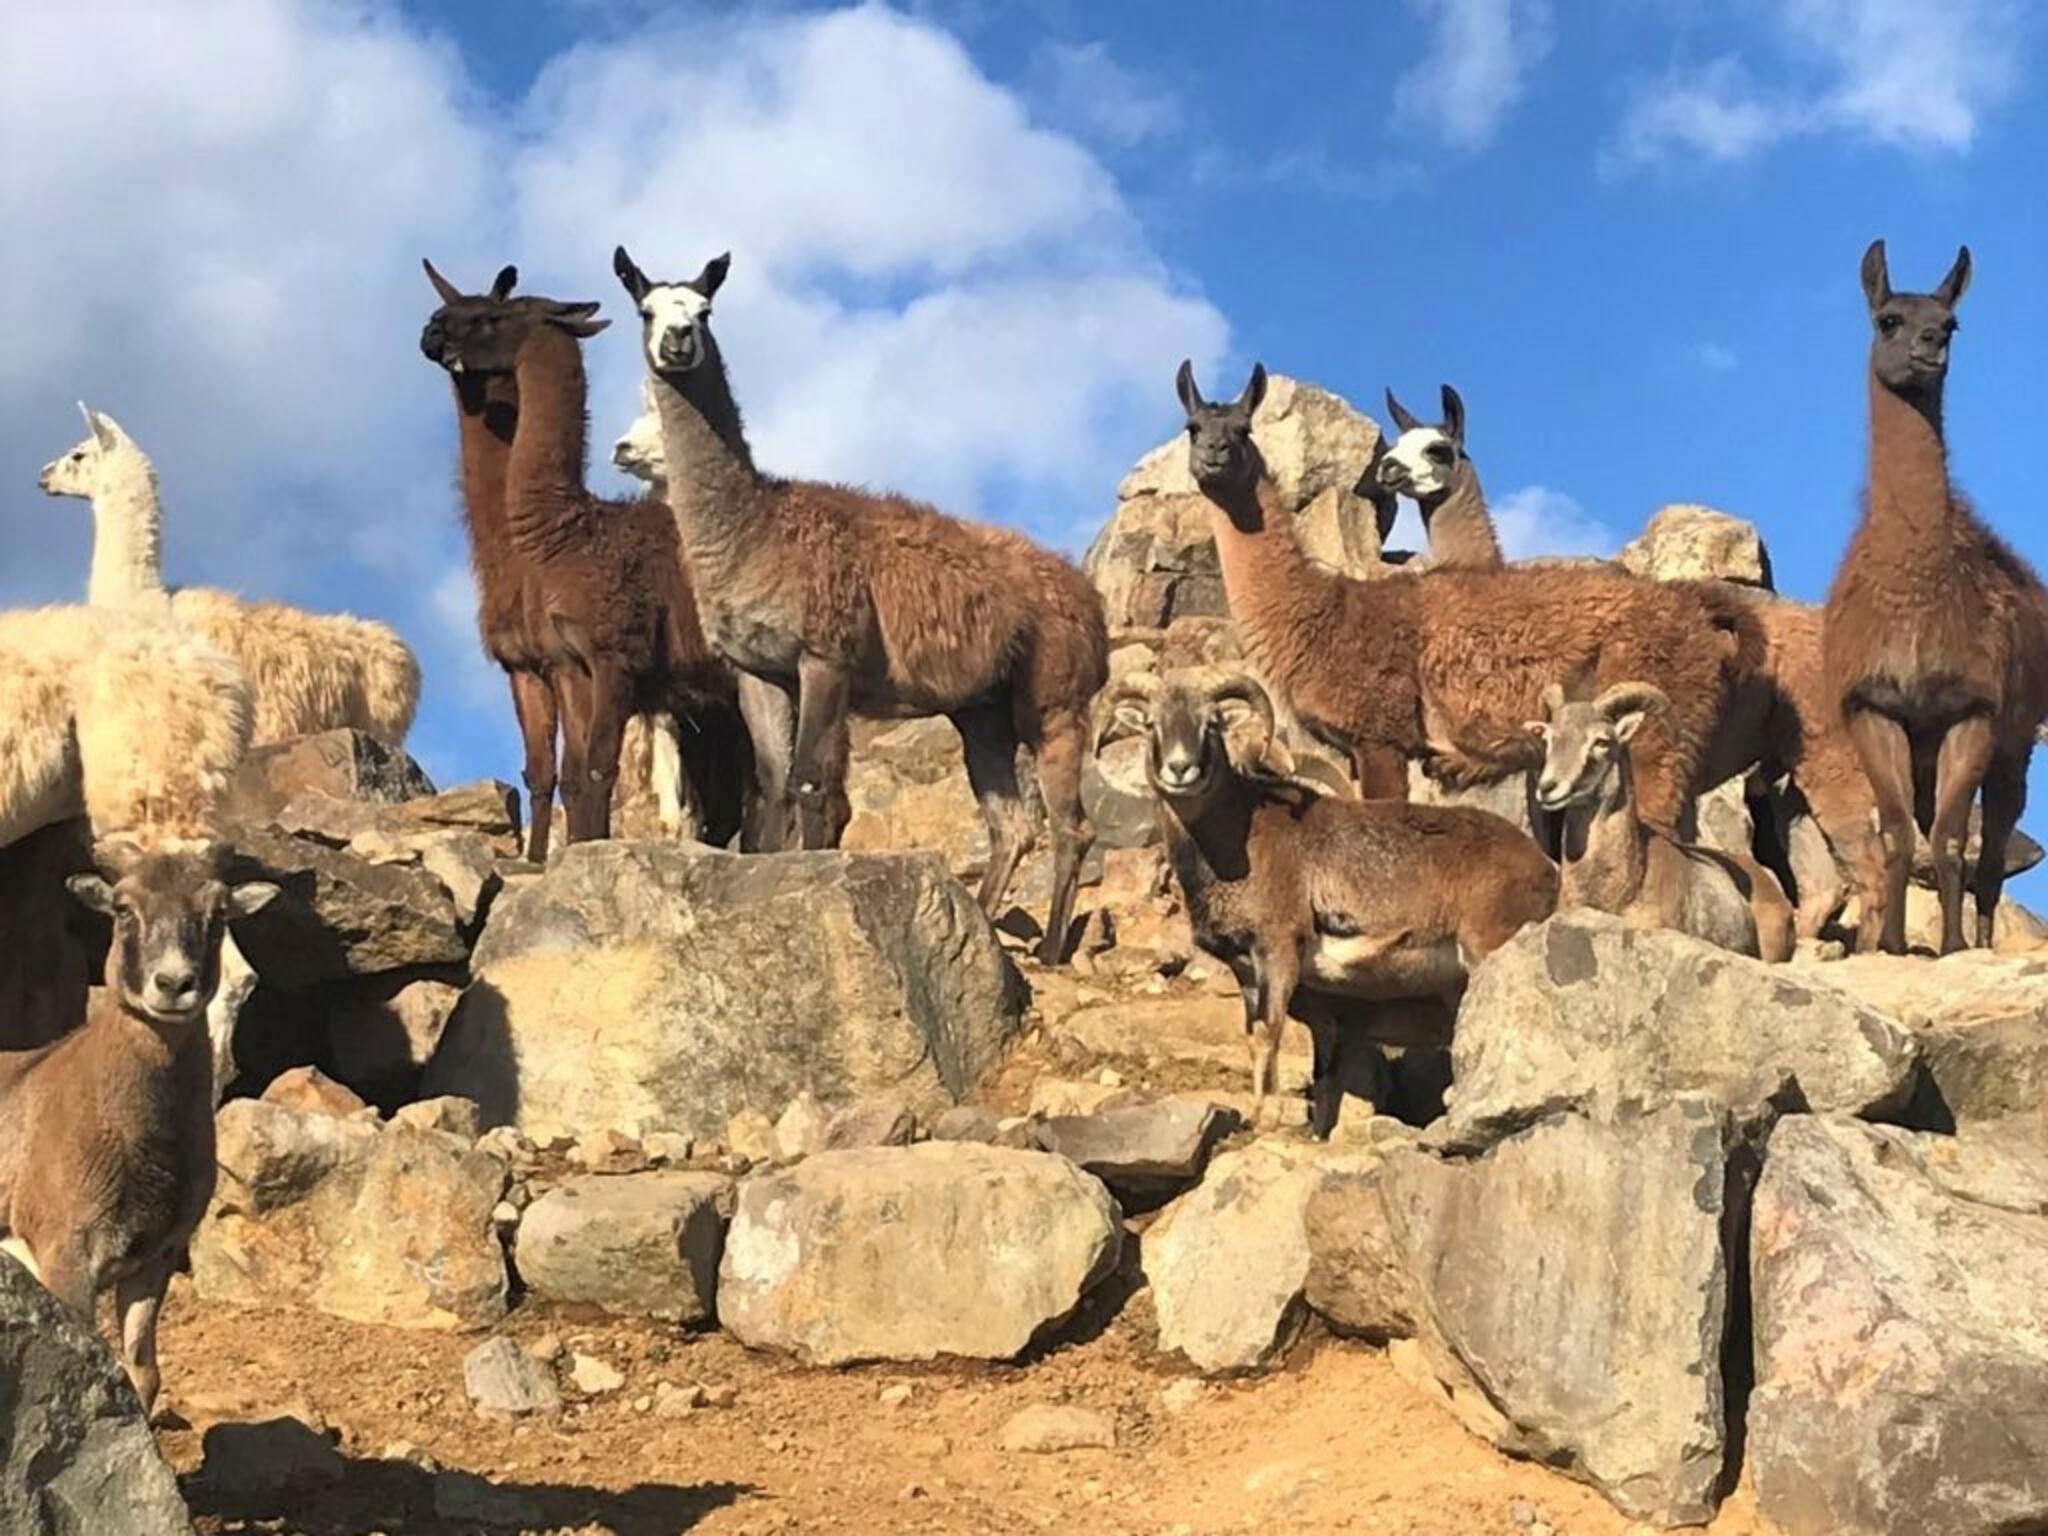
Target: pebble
point(547, 1348)
point(720, 1394)
point(593, 1376)
point(1046, 1428)
point(1109, 1077)
point(674, 1402)
point(502, 1380)
point(1523, 1513)
point(1178, 1397)
point(894, 1395)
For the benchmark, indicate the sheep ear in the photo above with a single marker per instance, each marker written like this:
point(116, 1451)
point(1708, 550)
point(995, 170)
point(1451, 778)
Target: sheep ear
point(712, 278)
point(1184, 385)
point(1454, 416)
point(93, 893)
point(252, 896)
point(450, 294)
point(506, 280)
point(1254, 391)
point(632, 277)
point(1626, 725)
point(1537, 728)
point(1403, 418)
point(1951, 287)
point(1877, 282)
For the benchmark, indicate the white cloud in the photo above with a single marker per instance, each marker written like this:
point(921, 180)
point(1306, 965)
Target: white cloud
point(1081, 85)
point(1715, 358)
point(1476, 67)
point(1536, 520)
point(1902, 72)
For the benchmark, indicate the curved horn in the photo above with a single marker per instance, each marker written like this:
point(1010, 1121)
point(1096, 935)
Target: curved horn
point(1139, 688)
point(1245, 688)
point(1623, 697)
point(1404, 419)
point(450, 294)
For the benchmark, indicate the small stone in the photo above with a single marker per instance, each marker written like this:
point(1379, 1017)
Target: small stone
point(880, 1120)
point(913, 1490)
point(1109, 1077)
point(502, 1380)
point(801, 1130)
point(894, 1395)
point(674, 1402)
point(505, 1215)
point(670, 1147)
point(547, 1348)
point(594, 1377)
point(1523, 1513)
point(1046, 1428)
point(643, 1405)
point(510, 1146)
point(774, 1445)
point(609, 1152)
point(411, 1455)
point(1179, 1396)
point(750, 1135)
point(453, 1115)
point(721, 1394)
point(312, 1092)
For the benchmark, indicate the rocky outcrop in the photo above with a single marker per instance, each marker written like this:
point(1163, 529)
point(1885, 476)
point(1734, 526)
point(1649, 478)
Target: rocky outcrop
point(1901, 1306)
point(912, 1253)
point(1143, 1152)
point(637, 1245)
point(1693, 543)
point(639, 986)
point(339, 764)
point(76, 1455)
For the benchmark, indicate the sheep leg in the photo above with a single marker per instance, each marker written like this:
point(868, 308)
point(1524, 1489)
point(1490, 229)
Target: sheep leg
point(1326, 1079)
point(66, 1270)
point(989, 741)
point(768, 711)
point(138, 1298)
point(1061, 753)
point(1277, 976)
point(1886, 753)
point(533, 701)
point(1958, 770)
point(821, 695)
point(2005, 797)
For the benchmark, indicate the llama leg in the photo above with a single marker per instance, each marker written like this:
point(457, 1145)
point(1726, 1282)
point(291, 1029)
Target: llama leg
point(610, 702)
point(1958, 770)
point(1061, 755)
point(769, 713)
point(577, 703)
point(533, 701)
point(2005, 797)
point(1381, 770)
point(138, 1299)
point(989, 743)
point(820, 723)
point(1887, 757)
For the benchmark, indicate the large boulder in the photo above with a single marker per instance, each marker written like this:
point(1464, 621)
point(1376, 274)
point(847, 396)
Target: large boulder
point(911, 1253)
point(637, 1245)
point(1900, 1286)
point(344, 764)
point(1692, 543)
point(76, 1454)
point(1143, 1152)
point(374, 1223)
point(641, 986)
point(1584, 1012)
point(1568, 1287)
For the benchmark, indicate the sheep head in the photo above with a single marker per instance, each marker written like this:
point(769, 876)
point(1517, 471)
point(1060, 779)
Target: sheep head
point(1585, 740)
point(1186, 718)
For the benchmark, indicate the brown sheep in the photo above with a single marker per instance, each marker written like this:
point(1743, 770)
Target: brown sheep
point(835, 600)
point(1447, 666)
point(1936, 637)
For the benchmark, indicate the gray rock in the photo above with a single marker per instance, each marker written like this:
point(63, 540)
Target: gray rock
point(373, 1223)
point(968, 1122)
point(1144, 1151)
point(447, 1114)
point(880, 1120)
point(76, 1457)
point(675, 968)
point(800, 1130)
point(1585, 1013)
point(503, 1379)
point(911, 1253)
point(463, 862)
point(487, 807)
point(1692, 543)
point(342, 764)
point(1901, 1336)
point(637, 1245)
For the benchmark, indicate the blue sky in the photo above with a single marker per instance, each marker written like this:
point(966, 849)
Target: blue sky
point(971, 240)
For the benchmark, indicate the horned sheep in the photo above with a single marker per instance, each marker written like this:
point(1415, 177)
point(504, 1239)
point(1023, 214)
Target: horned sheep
point(307, 672)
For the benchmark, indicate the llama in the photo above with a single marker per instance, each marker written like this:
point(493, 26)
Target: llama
point(620, 634)
point(834, 600)
point(1358, 659)
point(106, 1135)
point(1430, 466)
point(308, 672)
point(1936, 635)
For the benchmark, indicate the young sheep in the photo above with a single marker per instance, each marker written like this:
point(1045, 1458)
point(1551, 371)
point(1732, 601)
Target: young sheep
point(1616, 862)
point(309, 671)
point(1309, 898)
point(106, 1136)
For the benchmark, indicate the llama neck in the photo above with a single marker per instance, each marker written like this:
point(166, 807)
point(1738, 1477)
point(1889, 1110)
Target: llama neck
point(712, 482)
point(127, 542)
point(1908, 459)
point(1459, 526)
point(544, 470)
point(1258, 549)
point(487, 414)
point(1605, 845)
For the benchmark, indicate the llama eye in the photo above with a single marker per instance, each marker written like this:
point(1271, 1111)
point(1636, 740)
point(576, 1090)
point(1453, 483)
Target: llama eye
point(1888, 324)
point(1438, 453)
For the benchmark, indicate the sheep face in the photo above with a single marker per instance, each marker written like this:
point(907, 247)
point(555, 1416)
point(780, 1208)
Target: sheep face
point(170, 911)
point(1186, 719)
point(1222, 457)
point(99, 458)
point(1585, 741)
point(675, 318)
point(1425, 459)
point(1909, 347)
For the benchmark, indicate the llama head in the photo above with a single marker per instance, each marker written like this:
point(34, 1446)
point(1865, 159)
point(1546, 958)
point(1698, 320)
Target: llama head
point(1585, 740)
point(1221, 454)
point(103, 457)
point(639, 450)
point(675, 318)
point(474, 336)
point(170, 908)
point(1911, 331)
point(463, 313)
point(1425, 460)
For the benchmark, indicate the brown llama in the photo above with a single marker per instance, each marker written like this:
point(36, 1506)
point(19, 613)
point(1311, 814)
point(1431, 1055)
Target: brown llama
point(620, 634)
point(836, 600)
point(1936, 637)
point(1447, 666)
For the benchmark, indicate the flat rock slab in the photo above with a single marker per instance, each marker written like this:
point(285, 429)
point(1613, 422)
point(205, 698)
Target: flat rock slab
point(1583, 1013)
point(637, 1245)
point(1900, 1287)
point(642, 986)
point(503, 1380)
point(76, 1456)
point(344, 764)
point(911, 1253)
point(374, 1223)
point(1141, 1151)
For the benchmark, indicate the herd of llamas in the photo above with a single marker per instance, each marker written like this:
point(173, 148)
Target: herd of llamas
point(738, 619)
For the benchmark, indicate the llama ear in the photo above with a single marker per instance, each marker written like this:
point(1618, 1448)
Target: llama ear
point(713, 276)
point(632, 277)
point(1951, 287)
point(1254, 390)
point(581, 326)
point(1184, 385)
point(1454, 416)
point(93, 893)
point(450, 294)
point(105, 430)
point(1877, 281)
point(507, 279)
point(1403, 418)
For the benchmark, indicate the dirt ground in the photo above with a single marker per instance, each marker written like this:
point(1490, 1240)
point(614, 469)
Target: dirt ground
point(1337, 1442)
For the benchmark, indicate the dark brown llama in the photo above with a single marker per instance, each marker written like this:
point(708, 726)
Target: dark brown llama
point(1447, 666)
point(1936, 635)
point(621, 633)
point(838, 600)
